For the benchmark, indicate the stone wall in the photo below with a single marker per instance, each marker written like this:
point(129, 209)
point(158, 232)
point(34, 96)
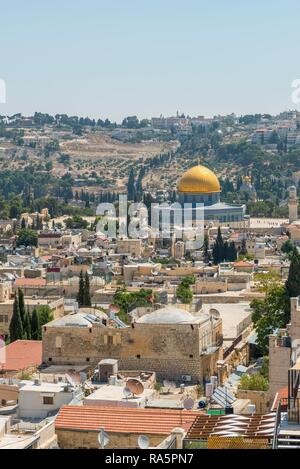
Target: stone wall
point(261, 399)
point(171, 350)
point(279, 363)
point(72, 439)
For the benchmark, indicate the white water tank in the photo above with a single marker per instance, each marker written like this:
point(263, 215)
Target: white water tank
point(112, 380)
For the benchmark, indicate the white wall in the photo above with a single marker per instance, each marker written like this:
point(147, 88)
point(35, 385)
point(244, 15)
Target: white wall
point(31, 402)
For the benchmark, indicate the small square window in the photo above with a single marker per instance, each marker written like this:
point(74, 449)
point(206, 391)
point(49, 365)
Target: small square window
point(48, 400)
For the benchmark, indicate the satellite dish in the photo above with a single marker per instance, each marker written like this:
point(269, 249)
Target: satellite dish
point(188, 403)
point(103, 438)
point(135, 386)
point(127, 393)
point(143, 442)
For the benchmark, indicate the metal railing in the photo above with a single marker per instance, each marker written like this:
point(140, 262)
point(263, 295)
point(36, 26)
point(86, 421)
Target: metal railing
point(292, 407)
point(277, 426)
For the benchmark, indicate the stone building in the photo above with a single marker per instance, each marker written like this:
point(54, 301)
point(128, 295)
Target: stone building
point(284, 350)
point(171, 342)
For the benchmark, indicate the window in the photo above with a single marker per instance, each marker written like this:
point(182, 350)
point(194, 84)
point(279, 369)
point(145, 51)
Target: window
point(58, 342)
point(48, 400)
point(87, 359)
point(138, 356)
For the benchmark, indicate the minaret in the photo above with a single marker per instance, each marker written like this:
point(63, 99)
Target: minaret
point(293, 204)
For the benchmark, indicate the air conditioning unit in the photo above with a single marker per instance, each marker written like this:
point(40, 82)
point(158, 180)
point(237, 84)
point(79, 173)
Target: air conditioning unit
point(186, 378)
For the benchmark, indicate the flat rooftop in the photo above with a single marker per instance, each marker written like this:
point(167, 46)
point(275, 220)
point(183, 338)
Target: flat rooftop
point(109, 393)
point(232, 314)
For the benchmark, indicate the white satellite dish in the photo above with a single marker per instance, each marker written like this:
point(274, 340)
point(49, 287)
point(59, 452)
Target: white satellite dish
point(127, 393)
point(103, 438)
point(143, 442)
point(188, 403)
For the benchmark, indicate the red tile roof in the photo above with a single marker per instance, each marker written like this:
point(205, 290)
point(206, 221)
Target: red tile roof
point(21, 354)
point(123, 419)
point(30, 282)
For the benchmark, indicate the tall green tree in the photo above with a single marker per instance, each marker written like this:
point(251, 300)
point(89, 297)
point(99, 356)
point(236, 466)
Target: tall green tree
point(81, 291)
point(206, 253)
point(27, 237)
point(27, 326)
point(184, 292)
point(45, 315)
point(35, 326)
point(22, 307)
point(232, 252)
point(131, 186)
point(16, 327)
point(243, 250)
point(293, 281)
point(87, 295)
point(218, 249)
point(269, 314)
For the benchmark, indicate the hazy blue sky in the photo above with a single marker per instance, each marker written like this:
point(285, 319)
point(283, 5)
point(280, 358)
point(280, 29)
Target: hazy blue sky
point(122, 57)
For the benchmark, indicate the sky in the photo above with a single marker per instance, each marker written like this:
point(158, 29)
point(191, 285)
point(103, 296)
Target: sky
point(116, 58)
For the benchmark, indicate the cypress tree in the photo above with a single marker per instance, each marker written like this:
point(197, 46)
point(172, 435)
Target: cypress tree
point(206, 248)
point(131, 186)
point(244, 247)
point(27, 326)
point(87, 294)
point(226, 252)
point(15, 327)
point(22, 307)
point(293, 281)
point(232, 252)
point(81, 291)
point(35, 326)
point(218, 249)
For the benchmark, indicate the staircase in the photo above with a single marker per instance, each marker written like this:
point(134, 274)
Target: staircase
point(288, 440)
point(288, 434)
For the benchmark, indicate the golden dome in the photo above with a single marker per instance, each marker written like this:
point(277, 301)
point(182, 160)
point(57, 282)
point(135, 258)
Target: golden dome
point(199, 179)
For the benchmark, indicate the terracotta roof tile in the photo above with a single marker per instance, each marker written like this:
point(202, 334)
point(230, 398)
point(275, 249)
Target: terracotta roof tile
point(123, 419)
point(21, 354)
point(30, 282)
